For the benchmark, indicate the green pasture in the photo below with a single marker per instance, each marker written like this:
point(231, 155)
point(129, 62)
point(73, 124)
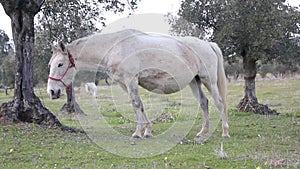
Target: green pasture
point(256, 142)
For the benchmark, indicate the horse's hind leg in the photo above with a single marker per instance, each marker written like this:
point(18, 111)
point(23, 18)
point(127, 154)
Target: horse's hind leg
point(203, 101)
point(142, 120)
point(220, 105)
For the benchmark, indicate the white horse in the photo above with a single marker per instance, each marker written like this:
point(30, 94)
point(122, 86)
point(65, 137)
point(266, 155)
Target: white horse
point(161, 64)
point(91, 88)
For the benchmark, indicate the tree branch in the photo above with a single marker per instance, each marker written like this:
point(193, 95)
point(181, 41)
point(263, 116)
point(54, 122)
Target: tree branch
point(32, 6)
point(8, 6)
point(39, 2)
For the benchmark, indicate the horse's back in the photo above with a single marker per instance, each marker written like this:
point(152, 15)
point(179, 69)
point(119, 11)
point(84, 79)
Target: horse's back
point(163, 64)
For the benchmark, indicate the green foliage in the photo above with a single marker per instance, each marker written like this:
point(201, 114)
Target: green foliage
point(233, 69)
point(7, 74)
point(264, 69)
point(5, 46)
point(7, 71)
point(118, 5)
point(278, 69)
point(184, 28)
point(262, 30)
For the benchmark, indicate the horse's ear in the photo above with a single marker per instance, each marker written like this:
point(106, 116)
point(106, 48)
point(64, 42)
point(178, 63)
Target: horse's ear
point(54, 48)
point(62, 46)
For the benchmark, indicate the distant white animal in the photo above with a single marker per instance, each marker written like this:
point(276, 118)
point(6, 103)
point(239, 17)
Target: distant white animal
point(91, 88)
point(77, 90)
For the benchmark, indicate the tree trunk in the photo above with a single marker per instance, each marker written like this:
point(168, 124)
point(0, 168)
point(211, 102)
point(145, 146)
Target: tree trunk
point(71, 106)
point(250, 103)
point(25, 106)
point(249, 76)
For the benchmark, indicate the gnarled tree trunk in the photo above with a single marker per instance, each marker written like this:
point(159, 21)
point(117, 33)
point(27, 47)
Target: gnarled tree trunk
point(250, 103)
point(25, 106)
point(71, 106)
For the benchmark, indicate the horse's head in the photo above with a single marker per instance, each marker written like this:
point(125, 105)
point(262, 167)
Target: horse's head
point(61, 71)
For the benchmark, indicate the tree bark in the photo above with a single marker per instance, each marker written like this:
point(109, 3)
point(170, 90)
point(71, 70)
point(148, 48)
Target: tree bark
point(249, 76)
point(71, 106)
point(25, 106)
point(250, 103)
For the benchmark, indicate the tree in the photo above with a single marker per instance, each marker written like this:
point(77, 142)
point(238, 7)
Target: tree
point(5, 46)
point(6, 60)
point(264, 69)
point(251, 30)
point(183, 27)
point(290, 60)
point(25, 106)
point(233, 69)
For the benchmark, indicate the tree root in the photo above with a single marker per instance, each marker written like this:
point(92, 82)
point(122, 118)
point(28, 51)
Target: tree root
point(31, 112)
point(69, 109)
point(251, 105)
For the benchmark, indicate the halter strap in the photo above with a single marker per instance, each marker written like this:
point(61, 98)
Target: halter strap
point(71, 59)
point(71, 64)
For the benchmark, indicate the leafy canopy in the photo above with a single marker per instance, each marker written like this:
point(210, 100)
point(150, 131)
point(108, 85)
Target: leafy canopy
point(260, 29)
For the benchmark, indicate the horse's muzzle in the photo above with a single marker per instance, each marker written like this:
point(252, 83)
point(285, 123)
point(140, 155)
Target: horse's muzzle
point(55, 94)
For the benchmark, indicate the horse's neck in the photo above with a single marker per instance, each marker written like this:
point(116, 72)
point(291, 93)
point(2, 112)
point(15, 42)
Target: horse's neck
point(89, 52)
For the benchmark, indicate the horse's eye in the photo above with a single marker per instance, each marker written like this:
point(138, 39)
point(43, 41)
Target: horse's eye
point(60, 65)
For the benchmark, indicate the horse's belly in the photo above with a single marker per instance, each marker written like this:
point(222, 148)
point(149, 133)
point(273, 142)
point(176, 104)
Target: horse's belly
point(162, 82)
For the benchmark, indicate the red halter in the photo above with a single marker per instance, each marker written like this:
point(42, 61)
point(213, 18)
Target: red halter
point(71, 64)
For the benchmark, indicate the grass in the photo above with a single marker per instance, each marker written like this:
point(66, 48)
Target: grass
point(256, 140)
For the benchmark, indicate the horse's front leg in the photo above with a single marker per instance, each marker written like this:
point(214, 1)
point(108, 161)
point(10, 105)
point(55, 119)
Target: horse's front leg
point(142, 120)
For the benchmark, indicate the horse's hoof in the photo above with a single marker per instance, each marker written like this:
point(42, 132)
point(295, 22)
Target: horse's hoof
point(225, 135)
point(148, 135)
point(201, 134)
point(136, 136)
point(199, 139)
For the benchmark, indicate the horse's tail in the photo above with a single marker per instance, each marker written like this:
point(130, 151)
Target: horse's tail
point(221, 76)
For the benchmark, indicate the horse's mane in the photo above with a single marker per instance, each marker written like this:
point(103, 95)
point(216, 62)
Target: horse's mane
point(86, 38)
point(83, 39)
